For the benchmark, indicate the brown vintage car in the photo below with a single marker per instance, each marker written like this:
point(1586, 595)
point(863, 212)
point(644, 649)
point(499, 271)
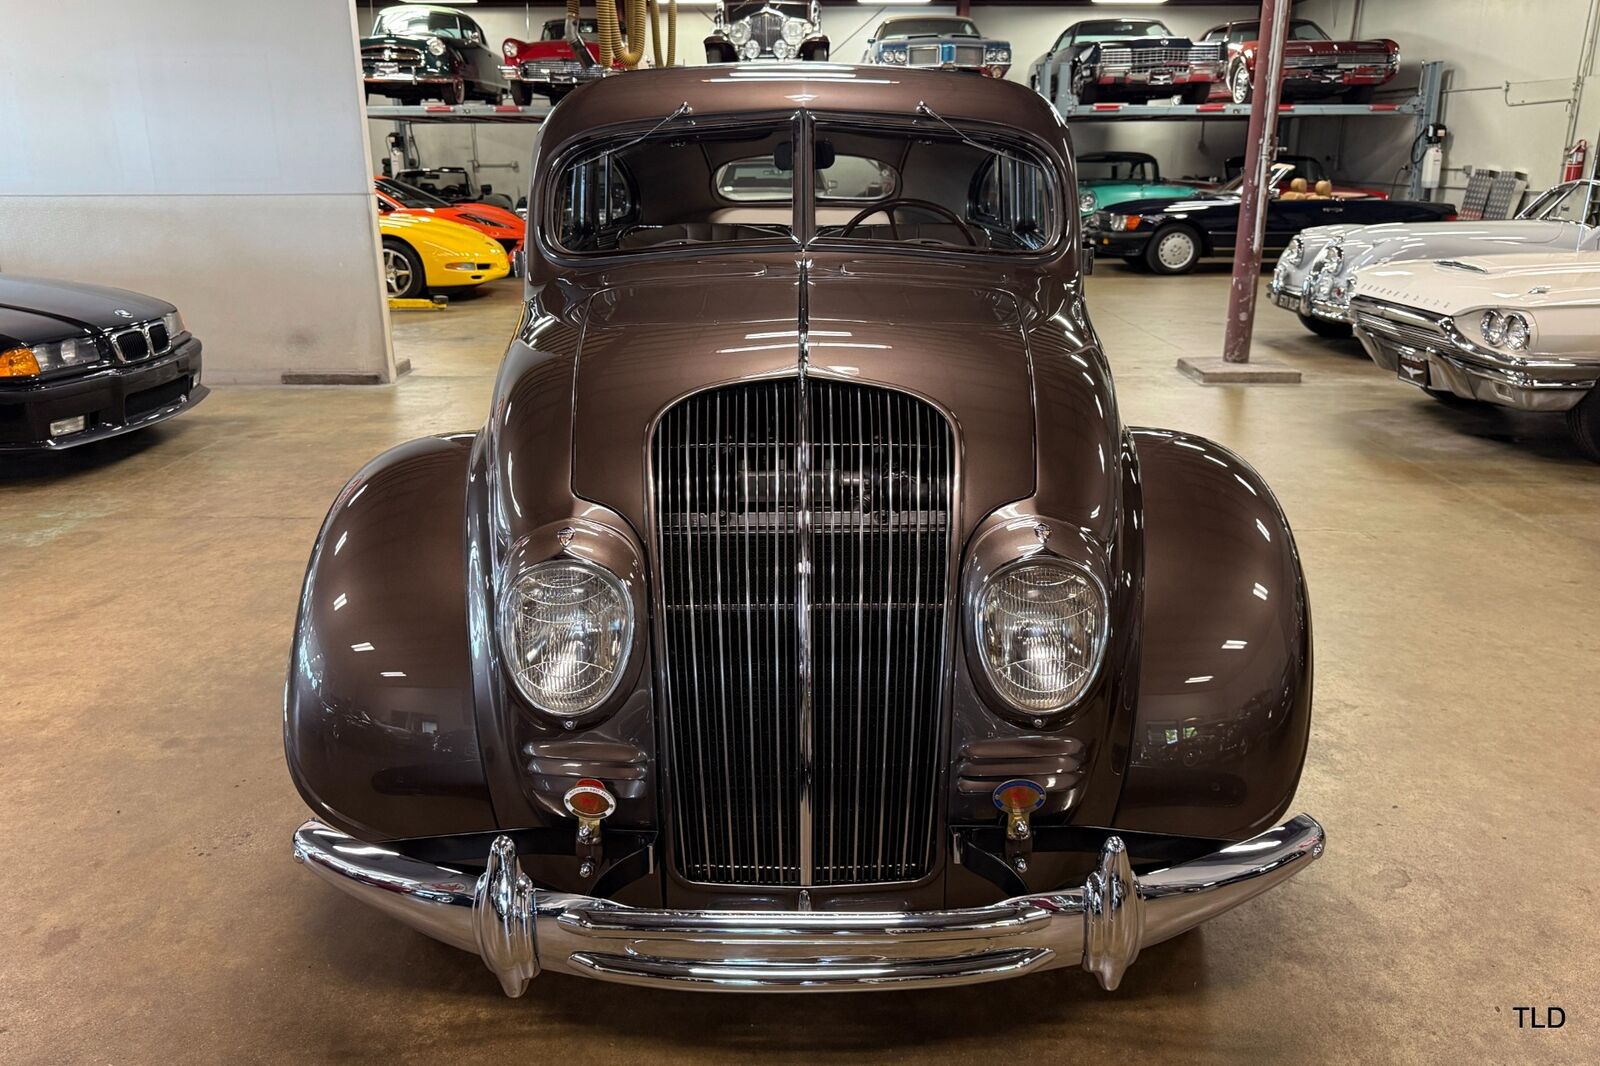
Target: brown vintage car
point(804, 617)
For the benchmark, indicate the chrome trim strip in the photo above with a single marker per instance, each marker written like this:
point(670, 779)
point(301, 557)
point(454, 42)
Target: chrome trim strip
point(520, 930)
point(804, 551)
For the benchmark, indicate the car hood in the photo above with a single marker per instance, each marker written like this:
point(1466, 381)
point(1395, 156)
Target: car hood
point(1400, 243)
point(649, 341)
point(1453, 286)
point(419, 41)
point(447, 235)
point(39, 310)
point(1199, 200)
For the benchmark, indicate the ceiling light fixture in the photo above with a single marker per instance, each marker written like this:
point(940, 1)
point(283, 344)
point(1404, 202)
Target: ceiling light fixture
point(1130, 3)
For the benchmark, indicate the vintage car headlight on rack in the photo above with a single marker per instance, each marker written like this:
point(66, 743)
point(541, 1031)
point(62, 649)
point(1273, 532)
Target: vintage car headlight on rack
point(739, 32)
point(566, 627)
point(996, 53)
point(896, 56)
point(751, 49)
point(435, 46)
point(1041, 627)
point(780, 49)
point(796, 30)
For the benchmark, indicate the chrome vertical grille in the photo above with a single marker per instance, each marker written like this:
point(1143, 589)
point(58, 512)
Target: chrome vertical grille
point(728, 537)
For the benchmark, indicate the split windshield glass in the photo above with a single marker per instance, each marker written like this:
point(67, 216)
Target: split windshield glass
point(927, 183)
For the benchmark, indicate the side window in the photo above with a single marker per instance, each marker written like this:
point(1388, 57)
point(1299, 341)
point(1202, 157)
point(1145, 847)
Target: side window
point(470, 31)
point(1238, 35)
point(596, 200)
point(1013, 199)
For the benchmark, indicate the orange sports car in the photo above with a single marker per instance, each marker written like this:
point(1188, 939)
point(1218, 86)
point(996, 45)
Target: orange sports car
point(494, 222)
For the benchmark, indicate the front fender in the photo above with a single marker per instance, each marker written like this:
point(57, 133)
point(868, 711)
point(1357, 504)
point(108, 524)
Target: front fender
point(1225, 674)
point(379, 726)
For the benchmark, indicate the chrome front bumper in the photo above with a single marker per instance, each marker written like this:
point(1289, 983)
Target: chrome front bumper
point(520, 930)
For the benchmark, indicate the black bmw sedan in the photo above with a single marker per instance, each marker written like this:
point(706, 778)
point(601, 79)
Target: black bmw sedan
point(82, 362)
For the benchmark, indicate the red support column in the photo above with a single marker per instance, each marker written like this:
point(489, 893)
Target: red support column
point(1260, 150)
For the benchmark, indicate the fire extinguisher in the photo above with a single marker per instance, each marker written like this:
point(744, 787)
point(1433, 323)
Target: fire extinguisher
point(1572, 168)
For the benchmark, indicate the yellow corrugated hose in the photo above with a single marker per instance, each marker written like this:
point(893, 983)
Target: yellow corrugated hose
point(611, 47)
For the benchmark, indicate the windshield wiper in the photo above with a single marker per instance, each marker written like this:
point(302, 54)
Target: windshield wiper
point(924, 109)
point(678, 112)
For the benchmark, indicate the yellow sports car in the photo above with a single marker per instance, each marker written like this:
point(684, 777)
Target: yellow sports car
point(421, 253)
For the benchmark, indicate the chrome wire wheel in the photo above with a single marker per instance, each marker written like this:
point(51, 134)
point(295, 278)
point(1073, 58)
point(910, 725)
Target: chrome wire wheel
point(1240, 84)
point(1175, 251)
point(396, 272)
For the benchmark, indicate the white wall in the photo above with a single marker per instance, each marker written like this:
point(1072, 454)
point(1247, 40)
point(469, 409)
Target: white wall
point(1485, 44)
point(211, 154)
point(1194, 148)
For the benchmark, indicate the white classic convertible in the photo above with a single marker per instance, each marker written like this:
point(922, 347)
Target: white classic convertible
point(1313, 276)
point(1517, 330)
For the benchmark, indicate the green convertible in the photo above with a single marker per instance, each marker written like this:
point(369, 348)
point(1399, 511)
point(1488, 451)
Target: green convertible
point(1116, 177)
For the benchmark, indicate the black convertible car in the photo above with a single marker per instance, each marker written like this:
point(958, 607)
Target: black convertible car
point(1172, 234)
point(81, 362)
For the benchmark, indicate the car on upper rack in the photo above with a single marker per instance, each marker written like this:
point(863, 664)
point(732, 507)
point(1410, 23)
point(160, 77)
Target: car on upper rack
point(80, 363)
point(937, 42)
point(1315, 66)
point(1121, 178)
point(419, 52)
point(551, 67)
point(422, 253)
point(743, 30)
point(453, 184)
point(1519, 330)
point(1314, 277)
point(1172, 235)
point(804, 616)
point(1125, 59)
point(504, 227)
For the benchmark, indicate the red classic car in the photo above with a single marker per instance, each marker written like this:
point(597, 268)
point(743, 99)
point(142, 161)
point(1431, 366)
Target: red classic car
point(493, 222)
point(550, 66)
point(1314, 65)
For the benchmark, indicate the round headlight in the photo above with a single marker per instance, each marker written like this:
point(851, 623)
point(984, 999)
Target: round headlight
point(752, 49)
point(509, 49)
point(1041, 630)
point(1086, 202)
point(436, 46)
point(997, 55)
point(780, 49)
point(1295, 252)
point(1493, 328)
point(795, 30)
point(1332, 257)
point(739, 32)
point(566, 627)
point(1517, 332)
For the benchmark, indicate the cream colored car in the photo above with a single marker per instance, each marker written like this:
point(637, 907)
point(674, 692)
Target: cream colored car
point(1516, 330)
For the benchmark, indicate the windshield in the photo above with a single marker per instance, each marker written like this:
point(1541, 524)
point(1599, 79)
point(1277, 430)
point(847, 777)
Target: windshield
point(1299, 30)
point(1570, 202)
point(1118, 29)
point(412, 22)
point(928, 27)
point(409, 195)
point(1100, 168)
point(921, 184)
point(452, 183)
point(556, 29)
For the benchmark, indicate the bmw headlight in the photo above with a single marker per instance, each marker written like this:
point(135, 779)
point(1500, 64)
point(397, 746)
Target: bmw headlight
point(739, 32)
point(795, 30)
point(1493, 328)
point(566, 627)
point(1041, 631)
point(76, 351)
point(435, 46)
point(172, 321)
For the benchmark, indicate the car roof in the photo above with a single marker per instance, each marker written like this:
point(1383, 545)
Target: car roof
point(769, 88)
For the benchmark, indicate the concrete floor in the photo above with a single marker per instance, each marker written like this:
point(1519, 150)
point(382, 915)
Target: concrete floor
point(148, 588)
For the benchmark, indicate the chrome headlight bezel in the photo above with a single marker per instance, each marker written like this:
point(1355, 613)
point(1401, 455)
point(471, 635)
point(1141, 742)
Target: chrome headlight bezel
point(1054, 703)
point(1295, 254)
point(996, 53)
point(435, 46)
point(896, 56)
point(1087, 202)
point(601, 553)
point(1491, 327)
point(1519, 331)
point(796, 30)
point(1011, 541)
point(739, 31)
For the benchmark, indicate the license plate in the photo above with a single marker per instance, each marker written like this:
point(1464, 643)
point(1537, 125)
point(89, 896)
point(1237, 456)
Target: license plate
point(1286, 301)
point(388, 68)
point(1414, 368)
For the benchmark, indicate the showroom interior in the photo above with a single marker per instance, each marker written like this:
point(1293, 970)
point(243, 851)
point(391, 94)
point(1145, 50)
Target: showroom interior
point(870, 509)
